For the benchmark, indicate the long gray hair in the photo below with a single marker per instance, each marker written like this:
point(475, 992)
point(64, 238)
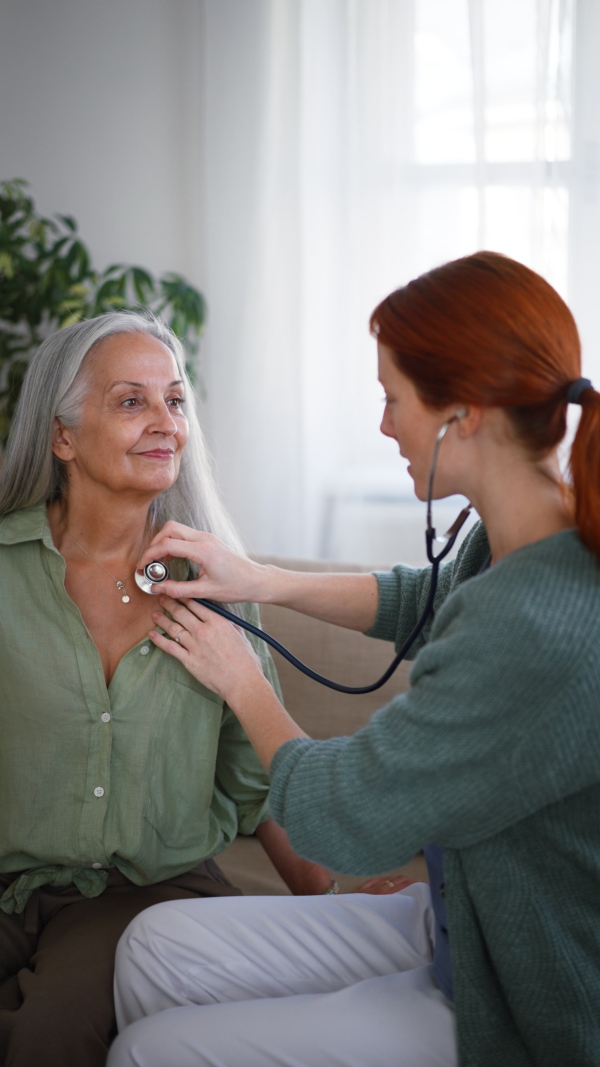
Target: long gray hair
point(56, 385)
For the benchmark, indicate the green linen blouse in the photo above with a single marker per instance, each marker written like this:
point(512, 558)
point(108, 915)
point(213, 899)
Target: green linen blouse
point(152, 775)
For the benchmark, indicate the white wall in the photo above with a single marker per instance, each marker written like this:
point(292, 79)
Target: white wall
point(98, 101)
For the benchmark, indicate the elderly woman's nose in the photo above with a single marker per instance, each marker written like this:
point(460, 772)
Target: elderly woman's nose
point(162, 419)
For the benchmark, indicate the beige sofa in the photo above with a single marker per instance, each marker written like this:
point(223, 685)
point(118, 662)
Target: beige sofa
point(347, 657)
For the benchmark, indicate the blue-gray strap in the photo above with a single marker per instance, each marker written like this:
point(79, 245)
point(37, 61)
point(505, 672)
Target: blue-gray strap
point(576, 389)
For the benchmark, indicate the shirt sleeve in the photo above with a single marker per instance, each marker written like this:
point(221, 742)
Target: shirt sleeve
point(239, 772)
point(456, 759)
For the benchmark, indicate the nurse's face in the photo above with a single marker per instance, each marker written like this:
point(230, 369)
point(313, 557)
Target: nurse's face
point(413, 425)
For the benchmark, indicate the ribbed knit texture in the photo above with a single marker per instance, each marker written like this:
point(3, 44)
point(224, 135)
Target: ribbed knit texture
point(493, 754)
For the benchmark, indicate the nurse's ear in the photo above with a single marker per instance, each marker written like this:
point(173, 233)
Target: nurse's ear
point(468, 420)
point(62, 442)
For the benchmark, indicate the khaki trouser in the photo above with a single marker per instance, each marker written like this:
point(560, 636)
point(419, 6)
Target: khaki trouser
point(56, 965)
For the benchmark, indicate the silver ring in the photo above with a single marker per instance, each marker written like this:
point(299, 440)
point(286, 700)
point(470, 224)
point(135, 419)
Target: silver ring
point(178, 638)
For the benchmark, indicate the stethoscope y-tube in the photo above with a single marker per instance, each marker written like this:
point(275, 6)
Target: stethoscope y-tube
point(157, 572)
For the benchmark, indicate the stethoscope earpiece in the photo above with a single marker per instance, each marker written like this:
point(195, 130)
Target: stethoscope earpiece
point(154, 573)
point(448, 538)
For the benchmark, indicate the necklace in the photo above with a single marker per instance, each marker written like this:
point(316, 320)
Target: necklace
point(120, 585)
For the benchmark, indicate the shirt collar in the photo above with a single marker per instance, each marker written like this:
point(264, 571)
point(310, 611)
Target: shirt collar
point(27, 524)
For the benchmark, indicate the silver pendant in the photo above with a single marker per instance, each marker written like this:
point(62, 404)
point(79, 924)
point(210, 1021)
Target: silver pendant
point(122, 589)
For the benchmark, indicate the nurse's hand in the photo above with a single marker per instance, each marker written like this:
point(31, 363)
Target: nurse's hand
point(349, 600)
point(224, 575)
point(211, 648)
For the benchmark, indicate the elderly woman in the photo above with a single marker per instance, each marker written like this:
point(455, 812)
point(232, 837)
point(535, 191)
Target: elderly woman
point(120, 774)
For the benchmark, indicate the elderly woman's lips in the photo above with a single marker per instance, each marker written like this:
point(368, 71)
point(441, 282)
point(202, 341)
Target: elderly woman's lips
point(158, 453)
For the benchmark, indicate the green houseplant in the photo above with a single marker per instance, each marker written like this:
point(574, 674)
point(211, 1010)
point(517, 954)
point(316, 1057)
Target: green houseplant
point(47, 281)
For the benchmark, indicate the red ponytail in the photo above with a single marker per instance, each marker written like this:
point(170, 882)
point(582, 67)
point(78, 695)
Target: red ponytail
point(585, 471)
point(486, 330)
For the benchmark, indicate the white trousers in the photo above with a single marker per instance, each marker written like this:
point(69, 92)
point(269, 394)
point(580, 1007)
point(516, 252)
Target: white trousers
point(319, 981)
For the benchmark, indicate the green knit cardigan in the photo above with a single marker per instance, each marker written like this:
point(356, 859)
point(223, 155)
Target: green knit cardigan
point(493, 754)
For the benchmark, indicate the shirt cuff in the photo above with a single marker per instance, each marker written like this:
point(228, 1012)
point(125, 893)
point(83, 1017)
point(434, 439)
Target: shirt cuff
point(251, 815)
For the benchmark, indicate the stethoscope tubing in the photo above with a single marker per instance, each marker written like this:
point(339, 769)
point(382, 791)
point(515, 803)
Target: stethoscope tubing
point(355, 690)
point(430, 537)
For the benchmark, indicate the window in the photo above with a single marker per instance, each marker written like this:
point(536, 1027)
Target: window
point(474, 152)
point(375, 139)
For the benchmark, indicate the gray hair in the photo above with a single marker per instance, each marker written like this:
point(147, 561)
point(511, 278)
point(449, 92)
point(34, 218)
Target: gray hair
point(56, 385)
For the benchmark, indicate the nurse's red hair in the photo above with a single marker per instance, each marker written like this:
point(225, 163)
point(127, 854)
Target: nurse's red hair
point(487, 330)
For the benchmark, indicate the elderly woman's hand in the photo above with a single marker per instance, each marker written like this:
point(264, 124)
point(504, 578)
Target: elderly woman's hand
point(211, 648)
point(224, 574)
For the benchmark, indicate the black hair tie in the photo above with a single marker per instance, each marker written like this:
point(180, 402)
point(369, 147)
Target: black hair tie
point(575, 390)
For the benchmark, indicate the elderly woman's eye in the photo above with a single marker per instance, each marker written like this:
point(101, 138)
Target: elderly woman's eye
point(130, 402)
point(176, 401)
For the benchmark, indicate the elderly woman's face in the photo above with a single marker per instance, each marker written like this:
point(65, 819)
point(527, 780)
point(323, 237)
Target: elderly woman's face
point(133, 429)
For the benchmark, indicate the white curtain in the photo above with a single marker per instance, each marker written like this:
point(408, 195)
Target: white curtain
point(349, 145)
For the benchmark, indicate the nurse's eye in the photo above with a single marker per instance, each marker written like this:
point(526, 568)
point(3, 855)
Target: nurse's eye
point(130, 402)
point(176, 402)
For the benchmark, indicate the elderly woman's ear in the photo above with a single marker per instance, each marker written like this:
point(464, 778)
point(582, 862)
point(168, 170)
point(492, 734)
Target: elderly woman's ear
point(62, 443)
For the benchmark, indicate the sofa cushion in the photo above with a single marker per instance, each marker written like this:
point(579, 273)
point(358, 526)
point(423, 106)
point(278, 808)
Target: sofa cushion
point(345, 656)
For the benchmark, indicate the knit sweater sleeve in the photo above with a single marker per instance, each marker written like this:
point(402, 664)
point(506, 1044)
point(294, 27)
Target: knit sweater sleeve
point(403, 591)
point(495, 695)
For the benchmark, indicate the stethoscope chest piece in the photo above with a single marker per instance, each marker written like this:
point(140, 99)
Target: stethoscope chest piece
point(154, 573)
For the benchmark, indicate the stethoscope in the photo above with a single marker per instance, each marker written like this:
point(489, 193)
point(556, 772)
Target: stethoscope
point(156, 572)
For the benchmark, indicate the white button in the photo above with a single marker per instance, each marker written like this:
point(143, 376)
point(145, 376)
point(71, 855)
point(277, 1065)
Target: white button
point(98, 791)
point(144, 650)
point(105, 716)
point(96, 865)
